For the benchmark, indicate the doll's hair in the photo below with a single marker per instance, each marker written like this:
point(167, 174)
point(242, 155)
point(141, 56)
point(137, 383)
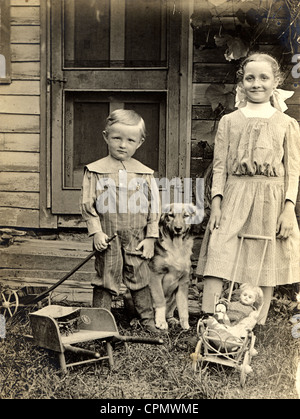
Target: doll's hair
point(127, 117)
point(259, 296)
point(261, 56)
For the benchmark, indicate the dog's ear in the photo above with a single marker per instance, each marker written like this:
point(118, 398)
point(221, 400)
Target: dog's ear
point(166, 208)
point(163, 218)
point(196, 214)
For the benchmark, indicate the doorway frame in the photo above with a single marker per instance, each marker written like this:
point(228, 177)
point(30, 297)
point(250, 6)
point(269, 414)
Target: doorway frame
point(177, 157)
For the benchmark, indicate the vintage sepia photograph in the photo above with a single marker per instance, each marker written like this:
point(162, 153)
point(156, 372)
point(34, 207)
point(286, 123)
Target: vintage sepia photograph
point(149, 202)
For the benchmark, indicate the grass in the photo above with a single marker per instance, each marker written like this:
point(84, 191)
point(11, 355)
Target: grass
point(150, 371)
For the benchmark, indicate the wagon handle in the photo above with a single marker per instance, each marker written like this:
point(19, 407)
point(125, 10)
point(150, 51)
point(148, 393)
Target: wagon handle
point(137, 339)
point(44, 294)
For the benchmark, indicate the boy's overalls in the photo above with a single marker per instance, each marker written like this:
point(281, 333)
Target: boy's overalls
point(121, 197)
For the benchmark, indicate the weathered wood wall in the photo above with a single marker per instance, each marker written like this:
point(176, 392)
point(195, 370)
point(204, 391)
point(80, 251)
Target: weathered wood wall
point(20, 121)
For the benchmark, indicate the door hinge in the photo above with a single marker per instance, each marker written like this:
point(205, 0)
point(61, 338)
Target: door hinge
point(56, 80)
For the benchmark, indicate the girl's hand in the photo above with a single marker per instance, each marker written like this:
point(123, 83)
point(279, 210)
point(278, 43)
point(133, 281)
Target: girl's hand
point(148, 247)
point(100, 242)
point(215, 216)
point(285, 221)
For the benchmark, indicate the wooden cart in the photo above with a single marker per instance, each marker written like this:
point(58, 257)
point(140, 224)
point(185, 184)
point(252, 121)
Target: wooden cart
point(61, 328)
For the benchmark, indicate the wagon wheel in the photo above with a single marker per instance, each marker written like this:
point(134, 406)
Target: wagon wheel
point(9, 303)
point(196, 356)
point(245, 368)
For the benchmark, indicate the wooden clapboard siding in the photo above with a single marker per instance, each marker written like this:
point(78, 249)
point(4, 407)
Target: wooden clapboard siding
point(25, 14)
point(17, 161)
point(25, 2)
point(21, 87)
point(25, 71)
point(20, 199)
point(19, 142)
point(25, 52)
point(19, 217)
point(19, 182)
point(25, 34)
point(20, 121)
point(20, 104)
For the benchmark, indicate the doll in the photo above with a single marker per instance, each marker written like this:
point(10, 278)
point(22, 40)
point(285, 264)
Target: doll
point(240, 318)
point(250, 300)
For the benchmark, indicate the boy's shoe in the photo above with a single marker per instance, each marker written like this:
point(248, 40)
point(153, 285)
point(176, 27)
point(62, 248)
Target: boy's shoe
point(142, 301)
point(102, 298)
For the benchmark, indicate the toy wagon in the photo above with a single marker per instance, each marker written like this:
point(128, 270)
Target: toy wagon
point(231, 351)
point(62, 328)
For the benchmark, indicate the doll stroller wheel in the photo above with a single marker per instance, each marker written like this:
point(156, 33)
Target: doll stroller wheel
point(196, 356)
point(245, 368)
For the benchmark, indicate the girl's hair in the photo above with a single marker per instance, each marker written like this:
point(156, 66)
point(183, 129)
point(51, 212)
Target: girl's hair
point(127, 117)
point(261, 56)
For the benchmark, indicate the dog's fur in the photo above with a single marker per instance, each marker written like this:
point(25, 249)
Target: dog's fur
point(171, 265)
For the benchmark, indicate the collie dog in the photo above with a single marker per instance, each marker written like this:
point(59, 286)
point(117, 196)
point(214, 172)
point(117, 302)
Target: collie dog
point(171, 265)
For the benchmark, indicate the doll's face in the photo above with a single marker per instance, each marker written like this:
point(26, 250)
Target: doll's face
point(248, 297)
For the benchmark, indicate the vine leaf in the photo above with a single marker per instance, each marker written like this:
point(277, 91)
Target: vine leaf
point(236, 48)
point(219, 97)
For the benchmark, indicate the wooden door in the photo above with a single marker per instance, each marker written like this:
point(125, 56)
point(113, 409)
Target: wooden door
point(109, 54)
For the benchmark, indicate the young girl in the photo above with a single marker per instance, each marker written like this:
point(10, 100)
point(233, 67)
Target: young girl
point(255, 185)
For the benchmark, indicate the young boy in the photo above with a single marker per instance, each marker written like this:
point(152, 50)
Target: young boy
point(120, 195)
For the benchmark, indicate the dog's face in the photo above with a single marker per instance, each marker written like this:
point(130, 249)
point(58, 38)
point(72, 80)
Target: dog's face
point(176, 219)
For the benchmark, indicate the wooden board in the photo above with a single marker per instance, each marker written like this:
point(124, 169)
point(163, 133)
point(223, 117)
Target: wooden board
point(25, 15)
point(25, 71)
point(20, 200)
point(26, 218)
point(19, 162)
point(10, 181)
point(29, 105)
point(19, 142)
point(20, 123)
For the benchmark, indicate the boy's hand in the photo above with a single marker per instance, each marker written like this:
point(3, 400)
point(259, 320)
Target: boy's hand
point(100, 241)
point(148, 247)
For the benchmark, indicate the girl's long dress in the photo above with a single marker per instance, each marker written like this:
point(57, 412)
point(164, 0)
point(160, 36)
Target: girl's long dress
point(256, 168)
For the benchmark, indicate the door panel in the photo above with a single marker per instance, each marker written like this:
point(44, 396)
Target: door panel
point(124, 28)
point(86, 113)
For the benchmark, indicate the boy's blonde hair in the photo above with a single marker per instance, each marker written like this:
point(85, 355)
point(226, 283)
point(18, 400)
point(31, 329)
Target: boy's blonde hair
point(261, 56)
point(127, 117)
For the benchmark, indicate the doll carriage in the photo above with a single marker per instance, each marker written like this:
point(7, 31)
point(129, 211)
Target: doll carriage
point(226, 349)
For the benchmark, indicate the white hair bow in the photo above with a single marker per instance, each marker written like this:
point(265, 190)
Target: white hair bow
point(277, 99)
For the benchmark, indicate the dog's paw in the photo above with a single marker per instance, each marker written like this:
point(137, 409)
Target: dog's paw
point(160, 318)
point(161, 324)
